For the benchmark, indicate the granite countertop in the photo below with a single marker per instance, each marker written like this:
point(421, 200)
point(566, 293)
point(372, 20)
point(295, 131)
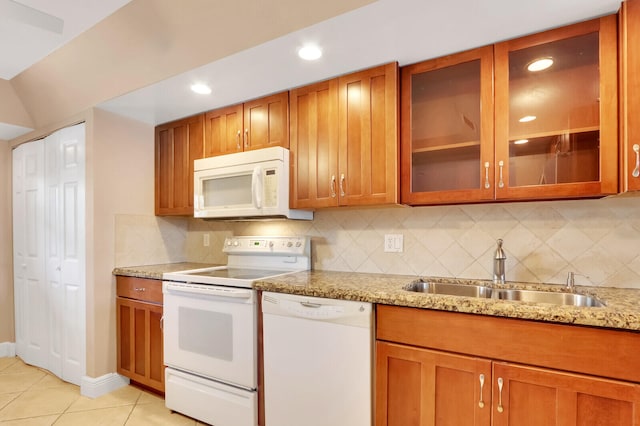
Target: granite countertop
point(621, 310)
point(155, 272)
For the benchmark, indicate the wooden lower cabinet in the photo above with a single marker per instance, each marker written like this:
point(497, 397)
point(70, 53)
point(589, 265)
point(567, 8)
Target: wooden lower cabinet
point(533, 396)
point(418, 386)
point(422, 387)
point(139, 328)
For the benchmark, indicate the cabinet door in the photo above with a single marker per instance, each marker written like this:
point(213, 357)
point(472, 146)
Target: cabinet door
point(314, 145)
point(177, 145)
point(556, 127)
point(368, 136)
point(630, 105)
point(418, 387)
point(140, 352)
point(266, 122)
point(223, 131)
point(534, 397)
point(447, 129)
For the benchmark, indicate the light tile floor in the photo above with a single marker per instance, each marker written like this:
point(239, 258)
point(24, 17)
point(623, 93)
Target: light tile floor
point(31, 396)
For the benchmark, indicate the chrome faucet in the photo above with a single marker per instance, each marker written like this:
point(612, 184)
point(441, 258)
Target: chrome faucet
point(498, 264)
point(571, 281)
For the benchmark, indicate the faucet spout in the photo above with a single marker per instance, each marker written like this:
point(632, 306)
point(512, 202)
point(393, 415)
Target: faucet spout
point(498, 264)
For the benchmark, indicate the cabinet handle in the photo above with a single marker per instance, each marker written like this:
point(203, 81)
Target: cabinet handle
point(487, 185)
point(501, 181)
point(342, 194)
point(500, 384)
point(238, 145)
point(162, 323)
point(139, 289)
point(246, 137)
point(333, 186)
point(636, 171)
point(481, 402)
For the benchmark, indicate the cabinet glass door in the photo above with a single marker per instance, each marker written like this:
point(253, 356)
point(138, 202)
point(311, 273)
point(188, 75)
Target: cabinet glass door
point(551, 103)
point(447, 126)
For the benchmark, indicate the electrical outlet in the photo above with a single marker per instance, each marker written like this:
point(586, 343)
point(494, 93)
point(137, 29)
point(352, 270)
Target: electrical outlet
point(393, 243)
point(205, 240)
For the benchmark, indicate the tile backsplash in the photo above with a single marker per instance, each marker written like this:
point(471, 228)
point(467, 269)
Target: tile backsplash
point(599, 239)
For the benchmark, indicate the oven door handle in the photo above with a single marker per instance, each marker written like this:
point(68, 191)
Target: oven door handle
point(209, 290)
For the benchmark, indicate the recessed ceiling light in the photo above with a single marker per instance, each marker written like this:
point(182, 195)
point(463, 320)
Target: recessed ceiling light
point(540, 64)
point(310, 52)
point(527, 118)
point(521, 141)
point(201, 88)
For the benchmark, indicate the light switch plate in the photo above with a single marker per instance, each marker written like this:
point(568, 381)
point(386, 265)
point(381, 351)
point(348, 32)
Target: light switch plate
point(393, 243)
point(205, 240)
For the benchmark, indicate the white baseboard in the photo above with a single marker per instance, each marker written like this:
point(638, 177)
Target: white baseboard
point(7, 349)
point(94, 387)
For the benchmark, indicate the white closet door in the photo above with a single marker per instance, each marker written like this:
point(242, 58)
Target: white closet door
point(49, 252)
point(29, 258)
point(67, 258)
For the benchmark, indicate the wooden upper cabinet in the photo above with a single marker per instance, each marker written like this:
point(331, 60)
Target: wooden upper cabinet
point(368, 137)
point(344, 140)
point(266, 122)
point(630, 94)
point(177, 145)
point(479, 126)
point(223, 131)
point(447, 129)
point(557, 128)
point(314, 145)
point(256, 124)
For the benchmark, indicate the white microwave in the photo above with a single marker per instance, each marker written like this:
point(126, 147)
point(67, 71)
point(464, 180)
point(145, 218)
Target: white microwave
point(244, 185)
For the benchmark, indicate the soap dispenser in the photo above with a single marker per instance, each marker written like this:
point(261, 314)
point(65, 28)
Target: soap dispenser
point(498, 264)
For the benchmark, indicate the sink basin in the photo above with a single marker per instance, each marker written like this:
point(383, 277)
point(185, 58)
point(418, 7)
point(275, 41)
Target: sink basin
point(566, 299)
point(450, 289)
point(535, 296)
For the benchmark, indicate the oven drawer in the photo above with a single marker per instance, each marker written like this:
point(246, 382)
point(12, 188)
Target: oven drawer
point(144, 289)
point(210, 401)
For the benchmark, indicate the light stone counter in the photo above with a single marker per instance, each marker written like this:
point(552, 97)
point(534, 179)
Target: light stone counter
point(622, 310)
point(155, 272)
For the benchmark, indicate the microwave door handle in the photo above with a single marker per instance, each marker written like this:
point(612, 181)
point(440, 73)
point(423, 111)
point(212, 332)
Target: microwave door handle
point(256, 187)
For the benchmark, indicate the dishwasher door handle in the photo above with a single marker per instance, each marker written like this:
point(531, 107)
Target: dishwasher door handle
point(311, 305)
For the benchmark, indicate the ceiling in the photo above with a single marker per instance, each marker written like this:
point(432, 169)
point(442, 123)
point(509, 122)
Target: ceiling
point(25, 37)
point(406, 31)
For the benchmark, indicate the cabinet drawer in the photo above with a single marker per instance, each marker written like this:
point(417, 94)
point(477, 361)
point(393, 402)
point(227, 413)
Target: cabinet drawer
point(140, 289)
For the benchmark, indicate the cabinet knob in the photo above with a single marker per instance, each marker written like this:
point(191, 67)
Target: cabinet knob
point(500, 384)
point(487, 185)
point(501, 181)
point(333, 186)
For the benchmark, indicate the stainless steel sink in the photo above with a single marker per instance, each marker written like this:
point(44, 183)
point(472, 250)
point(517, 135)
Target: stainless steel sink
point(450, 289)
point(555, 298)
point(534, 296)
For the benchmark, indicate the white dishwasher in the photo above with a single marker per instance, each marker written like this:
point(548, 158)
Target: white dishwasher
point(317, 361)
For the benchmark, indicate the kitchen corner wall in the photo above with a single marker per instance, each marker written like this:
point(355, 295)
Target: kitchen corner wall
point(543, 240)
point(6, 250)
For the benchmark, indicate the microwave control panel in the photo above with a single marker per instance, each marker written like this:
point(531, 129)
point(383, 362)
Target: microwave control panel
point(270, 187)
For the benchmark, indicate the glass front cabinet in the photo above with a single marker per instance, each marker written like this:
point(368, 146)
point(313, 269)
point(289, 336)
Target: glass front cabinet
point(530, 118)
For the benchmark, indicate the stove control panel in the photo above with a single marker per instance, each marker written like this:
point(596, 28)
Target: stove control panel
point(267, 245)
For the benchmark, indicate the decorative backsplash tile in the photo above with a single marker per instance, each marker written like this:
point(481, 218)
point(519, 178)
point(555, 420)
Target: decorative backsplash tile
point(599, 239)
